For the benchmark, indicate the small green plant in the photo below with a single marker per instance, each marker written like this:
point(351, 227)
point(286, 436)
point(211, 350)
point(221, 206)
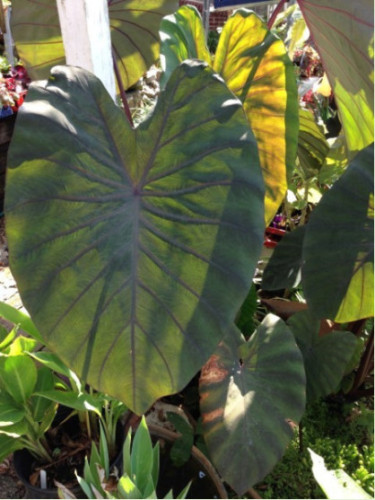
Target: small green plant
point(34, 383)
point(140, 470)
point(330, 428)
point(25, 416)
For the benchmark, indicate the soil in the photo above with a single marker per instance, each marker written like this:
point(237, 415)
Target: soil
point(10, 485)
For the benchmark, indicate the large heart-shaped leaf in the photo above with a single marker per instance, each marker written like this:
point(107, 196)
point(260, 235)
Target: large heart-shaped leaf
point(325, 357)
point(257, 69)
point(343, 34)
point(338, 248)
point(249, 391)
point(133, 249)
point(134, 32)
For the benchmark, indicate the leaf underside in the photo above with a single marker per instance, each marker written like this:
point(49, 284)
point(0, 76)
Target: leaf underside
point(343, 34)
point(134, 33)
point(122, 241)
point(257, 69)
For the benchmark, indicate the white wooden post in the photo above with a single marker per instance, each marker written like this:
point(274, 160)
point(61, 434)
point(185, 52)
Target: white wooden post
point(87, 38)
point(7, 35)
point(206, 16)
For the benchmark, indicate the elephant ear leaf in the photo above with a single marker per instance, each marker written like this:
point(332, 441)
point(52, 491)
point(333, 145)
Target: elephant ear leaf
point(256, 67)
point(134, 33)
point(326, 358)
point(313, 147)
point(338, 248)
point(182, 37)
point(343, 34)
point(249, 393)
point(137, 242)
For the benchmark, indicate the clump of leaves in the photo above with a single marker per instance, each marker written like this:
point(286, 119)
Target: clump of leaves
point(343, 441)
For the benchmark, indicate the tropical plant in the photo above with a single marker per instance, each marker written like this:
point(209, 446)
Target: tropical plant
point(64, 388)
point(25, 416)
point(151, 235)
point(140, 474)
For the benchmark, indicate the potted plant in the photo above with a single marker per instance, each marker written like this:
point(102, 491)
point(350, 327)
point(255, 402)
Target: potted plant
point(151, 234)
point(140, 475)
point(48, 418)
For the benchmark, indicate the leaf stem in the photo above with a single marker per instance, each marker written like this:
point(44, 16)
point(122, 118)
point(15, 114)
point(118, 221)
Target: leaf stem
point(122, 92)
point(275, 13)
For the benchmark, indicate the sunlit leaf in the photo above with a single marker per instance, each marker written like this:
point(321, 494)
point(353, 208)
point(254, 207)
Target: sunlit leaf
point(249, 391)
point(343, 34)
point(182, 37)
point(312, 145)
point(255, 66)
point(134, 32)
point(336, 483)
point(338, 247)
point(142, 229)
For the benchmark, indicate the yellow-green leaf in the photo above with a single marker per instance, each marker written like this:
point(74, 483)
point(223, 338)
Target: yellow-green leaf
point(343, 33)
point(256, 68)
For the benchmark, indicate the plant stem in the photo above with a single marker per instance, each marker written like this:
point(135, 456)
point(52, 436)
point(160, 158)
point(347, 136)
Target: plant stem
point(37, 449)
point(366, 364)
point(275, 13)
point(122, 92)
point(300, 437)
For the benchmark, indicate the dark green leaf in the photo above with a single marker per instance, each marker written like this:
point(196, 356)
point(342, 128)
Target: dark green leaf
point(338, 248)
point(181, 448)
point(142, 229)
point(325, 357)
point(284, 267)
point(249, 391)
point(245, 317)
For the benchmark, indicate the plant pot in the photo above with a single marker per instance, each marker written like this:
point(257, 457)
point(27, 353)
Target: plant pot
point(206, 483)
point(26, 465)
